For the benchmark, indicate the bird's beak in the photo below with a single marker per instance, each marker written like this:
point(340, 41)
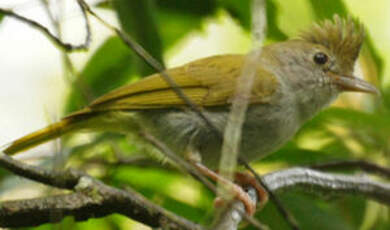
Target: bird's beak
point(351, 83)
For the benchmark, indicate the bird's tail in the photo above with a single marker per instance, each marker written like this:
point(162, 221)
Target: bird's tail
point(41, 136)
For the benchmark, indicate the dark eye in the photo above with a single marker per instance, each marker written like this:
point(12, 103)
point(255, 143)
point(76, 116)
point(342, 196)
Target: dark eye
point(320, 58)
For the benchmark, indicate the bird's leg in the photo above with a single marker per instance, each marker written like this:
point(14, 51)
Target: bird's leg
point(238, 192)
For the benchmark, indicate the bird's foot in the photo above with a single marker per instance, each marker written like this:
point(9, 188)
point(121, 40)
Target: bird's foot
point(241, 180)
point(241, 195)
point(246, 180)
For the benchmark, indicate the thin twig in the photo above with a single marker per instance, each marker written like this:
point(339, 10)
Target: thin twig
point(259, 26)
point(71, 75)
point(233, 130)
point(62, 45)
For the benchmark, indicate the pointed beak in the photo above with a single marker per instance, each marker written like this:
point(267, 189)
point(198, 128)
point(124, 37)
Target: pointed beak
point(351, 83)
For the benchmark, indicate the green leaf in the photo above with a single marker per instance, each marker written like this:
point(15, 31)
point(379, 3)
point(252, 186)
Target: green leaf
point(146, 178)
point(386, 96)
point(294, 155)
point(372, 51)
point(109, 68)
point(326, 9)
point(138, 19)
point(352, 208)
point(240, 10)
point(157, 184)
point(382, 223)
point(199, 7)
point(104, 4)
point(177, 25)
point(177, 18)
point(310, 213)
point(274, 31)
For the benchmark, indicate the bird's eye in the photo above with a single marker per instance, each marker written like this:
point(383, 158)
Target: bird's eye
point(320, 58)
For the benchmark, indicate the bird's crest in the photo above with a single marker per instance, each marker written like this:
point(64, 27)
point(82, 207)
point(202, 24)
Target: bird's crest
point(343, 37)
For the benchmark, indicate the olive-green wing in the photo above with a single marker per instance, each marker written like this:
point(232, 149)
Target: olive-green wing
point(207, 82)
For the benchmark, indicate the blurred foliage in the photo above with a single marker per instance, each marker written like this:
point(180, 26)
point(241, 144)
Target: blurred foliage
point(110, 67)
point(130, 13)
point(336, 133)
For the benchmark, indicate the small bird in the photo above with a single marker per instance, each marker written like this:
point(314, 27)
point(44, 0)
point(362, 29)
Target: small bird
point(294, 80)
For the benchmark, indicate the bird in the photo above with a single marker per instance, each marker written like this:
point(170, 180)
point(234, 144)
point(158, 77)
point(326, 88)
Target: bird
point(294, 80)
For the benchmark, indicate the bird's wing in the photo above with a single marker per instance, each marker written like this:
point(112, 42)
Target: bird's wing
point(206, 82)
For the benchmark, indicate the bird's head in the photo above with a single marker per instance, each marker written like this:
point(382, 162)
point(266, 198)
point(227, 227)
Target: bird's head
point(319, 64)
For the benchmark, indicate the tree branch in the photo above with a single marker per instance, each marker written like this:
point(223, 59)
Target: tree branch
point(92, 198)
point(317, 182)
point(61, 179)
point(335, 184)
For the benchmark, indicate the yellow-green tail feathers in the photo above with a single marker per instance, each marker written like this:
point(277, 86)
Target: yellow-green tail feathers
point(43, 135)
